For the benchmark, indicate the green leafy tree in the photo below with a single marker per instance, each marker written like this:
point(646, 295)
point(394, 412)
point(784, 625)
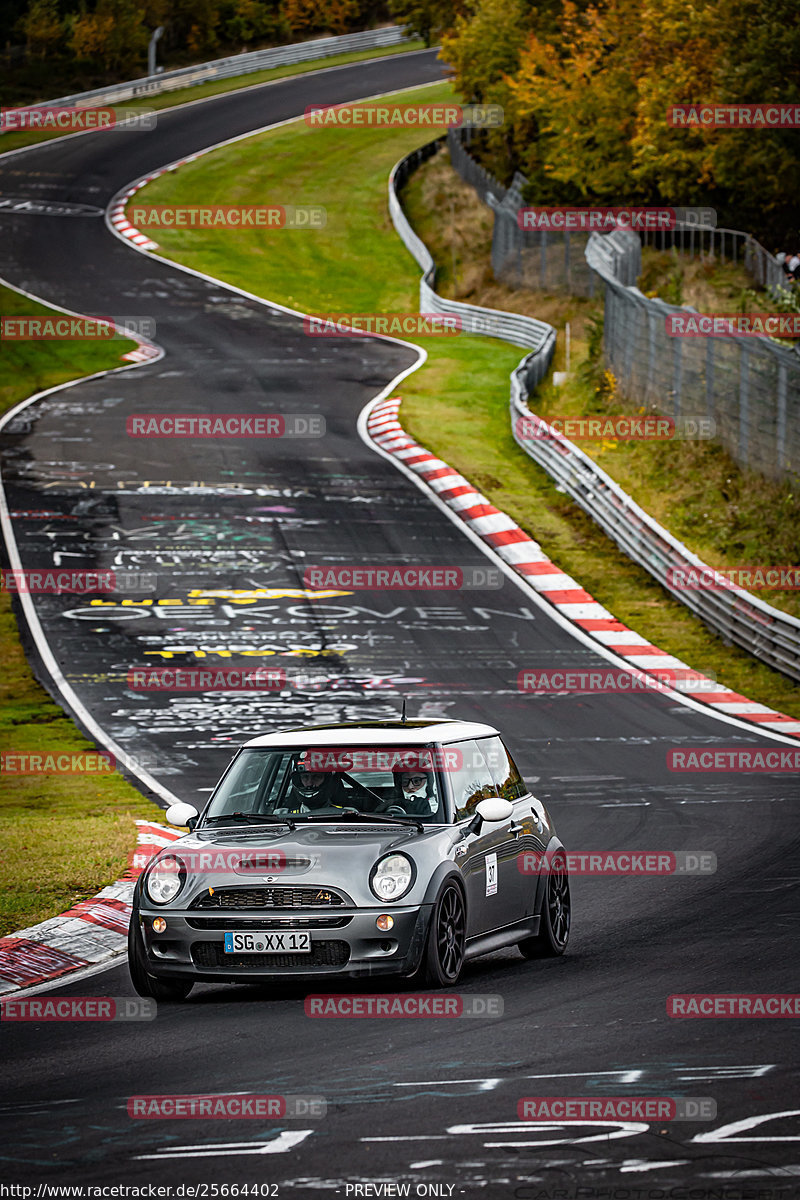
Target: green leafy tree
point(42, 28)
point(114, 35)
point(427, 18)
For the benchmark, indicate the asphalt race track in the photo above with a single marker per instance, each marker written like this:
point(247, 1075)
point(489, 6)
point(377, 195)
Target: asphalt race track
point(429, 1103)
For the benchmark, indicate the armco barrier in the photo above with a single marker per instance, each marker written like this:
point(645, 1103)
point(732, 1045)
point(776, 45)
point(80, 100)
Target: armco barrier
point(538, 336)
point(237, 64)
point(738, 616)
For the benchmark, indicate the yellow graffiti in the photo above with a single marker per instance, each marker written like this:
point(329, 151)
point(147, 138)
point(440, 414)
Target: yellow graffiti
point(250, 595)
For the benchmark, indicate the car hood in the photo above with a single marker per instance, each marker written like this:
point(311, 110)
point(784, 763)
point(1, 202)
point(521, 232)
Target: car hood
point(330, 855)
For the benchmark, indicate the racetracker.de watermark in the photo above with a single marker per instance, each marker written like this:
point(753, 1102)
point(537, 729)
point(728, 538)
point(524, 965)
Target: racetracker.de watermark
point(754, 324)
point(56, 329)
point(388, 324)
point(734, 759)
point(615, 680)
point(382, 758)
point(404, 578)
point(79, 1008)
point(69, 118)
point(219, 859)
point(23, 762)
point(618, 427)
point(66, 328)
point(58, 582)
point(404, 1005)
point(225, 1107)
point(618, 862)
point(606, 220)
point(734, 1004)
point(206, 679)
point(225, 425)
point(228, 216)
point(616, 1108)
point(404, 116)
point(734, 116)
point(752, 578)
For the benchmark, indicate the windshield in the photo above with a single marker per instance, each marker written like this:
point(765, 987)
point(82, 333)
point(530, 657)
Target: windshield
point(399, 781)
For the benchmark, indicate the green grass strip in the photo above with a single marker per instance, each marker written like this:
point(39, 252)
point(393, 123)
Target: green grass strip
point(64, 836)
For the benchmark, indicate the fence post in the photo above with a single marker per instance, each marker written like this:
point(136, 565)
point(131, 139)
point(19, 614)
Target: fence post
point(651, 353)
point(744, 406)
point(710, 378)
point(780, 424)
point(677, 376)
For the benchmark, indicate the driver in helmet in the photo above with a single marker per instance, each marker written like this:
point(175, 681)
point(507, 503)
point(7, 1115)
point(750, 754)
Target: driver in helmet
point(311, 790)
point(416, 793)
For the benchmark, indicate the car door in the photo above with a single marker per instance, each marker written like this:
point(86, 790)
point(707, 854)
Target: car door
point(528, 824)
point(486, 859)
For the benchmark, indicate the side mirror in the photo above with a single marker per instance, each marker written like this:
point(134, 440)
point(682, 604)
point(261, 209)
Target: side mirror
point(181, 813)
point(492, 810)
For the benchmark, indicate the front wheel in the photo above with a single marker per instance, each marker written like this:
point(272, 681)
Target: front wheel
point(144, 983)
point(444, 953)
point(556, 917)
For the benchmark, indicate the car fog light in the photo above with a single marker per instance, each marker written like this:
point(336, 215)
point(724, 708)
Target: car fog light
point(159, 925)
point(385, 922)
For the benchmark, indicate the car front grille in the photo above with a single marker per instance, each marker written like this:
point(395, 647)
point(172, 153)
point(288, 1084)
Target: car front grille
point(323, 954)
point(269, 897)
point(237, 923)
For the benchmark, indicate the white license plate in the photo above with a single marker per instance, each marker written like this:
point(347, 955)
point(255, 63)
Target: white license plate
point(268, 942)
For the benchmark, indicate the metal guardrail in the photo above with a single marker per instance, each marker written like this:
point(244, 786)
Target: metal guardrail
point(538, 336)
point(765, 632)
point(237, 64)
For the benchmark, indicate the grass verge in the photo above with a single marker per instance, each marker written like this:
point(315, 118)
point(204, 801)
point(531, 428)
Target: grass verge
point(64, 836)
point(15, 141)
point(457, 405)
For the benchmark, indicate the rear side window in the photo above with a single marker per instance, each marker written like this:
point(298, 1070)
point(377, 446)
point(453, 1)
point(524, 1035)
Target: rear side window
point(469, 777)
point(506, 776)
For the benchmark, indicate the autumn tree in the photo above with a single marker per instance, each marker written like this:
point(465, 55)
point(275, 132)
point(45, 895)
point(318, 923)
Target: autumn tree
point(483, 49)
point(579, 91)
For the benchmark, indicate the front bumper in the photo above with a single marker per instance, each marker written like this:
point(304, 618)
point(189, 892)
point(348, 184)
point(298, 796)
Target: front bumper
point(344, 943)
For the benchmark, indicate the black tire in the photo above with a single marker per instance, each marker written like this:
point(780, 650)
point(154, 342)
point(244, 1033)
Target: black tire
point(444, 951)
point(554, 927)
point(144, 983)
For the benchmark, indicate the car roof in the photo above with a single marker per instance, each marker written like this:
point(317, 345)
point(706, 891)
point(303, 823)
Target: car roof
point(372, 733)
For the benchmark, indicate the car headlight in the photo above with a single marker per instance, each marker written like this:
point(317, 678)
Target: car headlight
point(165, 879)
point(392, 877)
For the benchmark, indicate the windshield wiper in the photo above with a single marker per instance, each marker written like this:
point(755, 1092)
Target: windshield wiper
point(257, 817)
point(365, 816)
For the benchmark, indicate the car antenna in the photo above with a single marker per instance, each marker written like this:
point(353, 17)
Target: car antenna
point(403, 717)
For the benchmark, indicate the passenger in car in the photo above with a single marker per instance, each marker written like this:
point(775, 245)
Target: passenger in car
point(416, 792)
